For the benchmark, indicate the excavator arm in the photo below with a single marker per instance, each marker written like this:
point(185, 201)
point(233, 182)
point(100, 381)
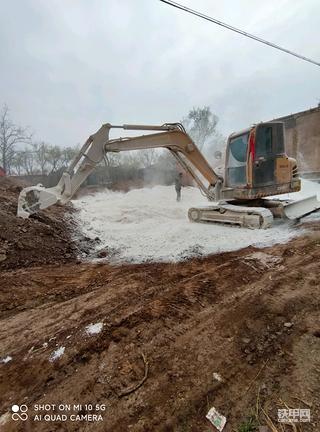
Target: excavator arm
point(171, 136)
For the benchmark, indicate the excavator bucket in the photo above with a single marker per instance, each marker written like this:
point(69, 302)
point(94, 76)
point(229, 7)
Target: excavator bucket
point(35, 198)
point(302, 207)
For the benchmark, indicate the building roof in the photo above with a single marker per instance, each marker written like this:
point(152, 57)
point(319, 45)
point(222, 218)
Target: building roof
point(300, 113)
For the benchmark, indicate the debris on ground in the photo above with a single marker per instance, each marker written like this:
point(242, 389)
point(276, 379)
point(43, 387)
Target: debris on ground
point(218, 420)
point(93, 329)
point(57, 354)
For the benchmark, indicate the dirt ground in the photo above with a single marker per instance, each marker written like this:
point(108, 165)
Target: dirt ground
point(239, 331)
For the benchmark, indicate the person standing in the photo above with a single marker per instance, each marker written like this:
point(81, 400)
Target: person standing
point(178, 185)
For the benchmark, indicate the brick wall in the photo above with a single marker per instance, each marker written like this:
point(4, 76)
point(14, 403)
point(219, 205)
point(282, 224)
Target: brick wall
point(303, 140)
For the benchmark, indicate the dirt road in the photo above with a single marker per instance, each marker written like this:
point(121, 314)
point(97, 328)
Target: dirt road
point(252, 317)
point(238, 331)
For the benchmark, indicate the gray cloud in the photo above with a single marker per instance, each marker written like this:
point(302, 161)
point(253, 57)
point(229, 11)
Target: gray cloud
point(69, 66)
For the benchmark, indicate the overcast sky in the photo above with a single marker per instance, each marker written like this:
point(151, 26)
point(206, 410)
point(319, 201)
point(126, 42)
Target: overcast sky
point(70, 65)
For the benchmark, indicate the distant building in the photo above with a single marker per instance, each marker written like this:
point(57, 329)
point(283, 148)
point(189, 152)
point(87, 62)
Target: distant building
point(2, 172)
point(303, 140)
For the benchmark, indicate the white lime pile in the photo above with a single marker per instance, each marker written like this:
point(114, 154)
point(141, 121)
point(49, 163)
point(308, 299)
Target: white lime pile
point(148, 224)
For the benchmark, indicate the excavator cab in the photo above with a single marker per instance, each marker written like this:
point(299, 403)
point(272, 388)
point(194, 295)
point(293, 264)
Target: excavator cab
point(256, 161)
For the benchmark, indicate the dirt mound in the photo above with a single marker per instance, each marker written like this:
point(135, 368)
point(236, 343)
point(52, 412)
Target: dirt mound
point(238, 331)
point(44, 238)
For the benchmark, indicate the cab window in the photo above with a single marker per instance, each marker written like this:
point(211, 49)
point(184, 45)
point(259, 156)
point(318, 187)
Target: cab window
point(238, 149)
point(237, 160)
point(263, 147)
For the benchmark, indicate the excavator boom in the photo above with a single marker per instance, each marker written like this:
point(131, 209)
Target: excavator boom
point(169, 136)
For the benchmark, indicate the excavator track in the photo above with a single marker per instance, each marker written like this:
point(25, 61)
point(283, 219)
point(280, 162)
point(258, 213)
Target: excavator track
point(246, 217)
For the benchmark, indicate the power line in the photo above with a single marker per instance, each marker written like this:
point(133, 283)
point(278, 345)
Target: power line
point(234, 29)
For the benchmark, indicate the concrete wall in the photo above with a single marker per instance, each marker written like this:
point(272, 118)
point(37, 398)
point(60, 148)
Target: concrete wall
point(303, 140)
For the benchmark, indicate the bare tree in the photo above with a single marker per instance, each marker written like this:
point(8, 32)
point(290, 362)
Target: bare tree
point(166, 160)
point(28, 161)
point(10, 135)
point(41, 155)
point(17, 162)
point(131, 159)
point(201, 125)
point(55, 159)
point(148, 157)
point(111, 159)
point(67, 154)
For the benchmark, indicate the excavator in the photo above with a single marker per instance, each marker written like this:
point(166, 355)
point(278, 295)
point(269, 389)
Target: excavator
point(256, 167)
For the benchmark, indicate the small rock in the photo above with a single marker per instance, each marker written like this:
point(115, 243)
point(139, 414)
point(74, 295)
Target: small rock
point(249, 359)
point(288, 324)
point(217, 377)
point(3, 257)
point(246, 340)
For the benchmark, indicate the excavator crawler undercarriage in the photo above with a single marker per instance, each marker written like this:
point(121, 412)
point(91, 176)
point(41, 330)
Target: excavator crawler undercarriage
point(245, 217)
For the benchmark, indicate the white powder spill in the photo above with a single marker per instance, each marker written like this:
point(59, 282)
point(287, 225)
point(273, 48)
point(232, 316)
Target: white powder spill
point(93, 329)
point(149, 225)
point(6, 359)
point(57, 354)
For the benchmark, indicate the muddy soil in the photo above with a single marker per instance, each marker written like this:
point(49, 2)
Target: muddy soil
point(44, 238)
point(239, 331)
point(252, 317)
